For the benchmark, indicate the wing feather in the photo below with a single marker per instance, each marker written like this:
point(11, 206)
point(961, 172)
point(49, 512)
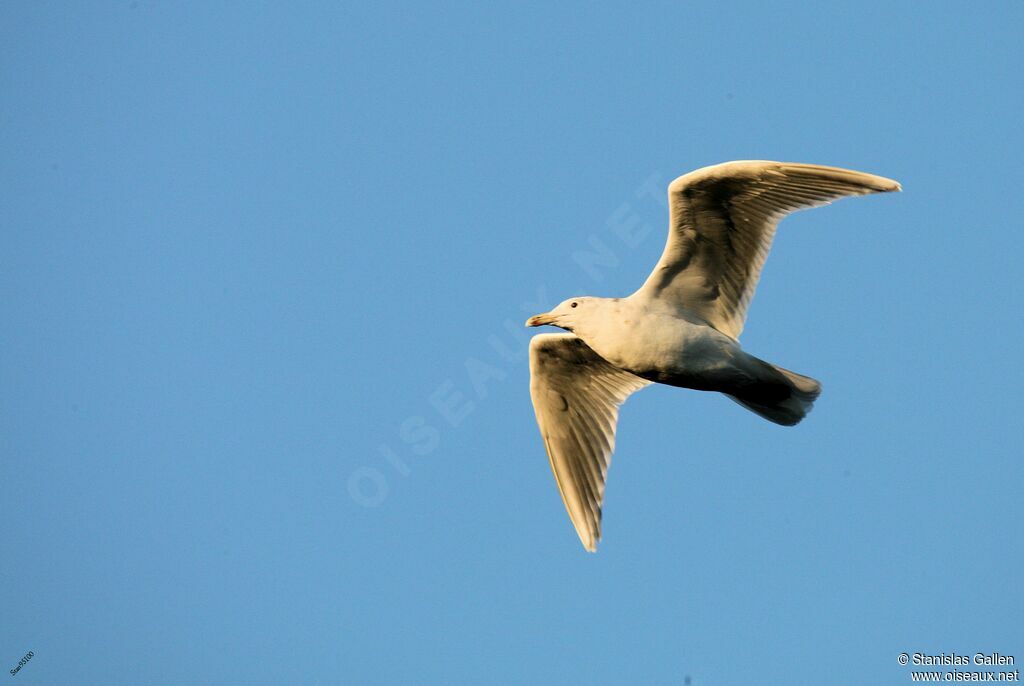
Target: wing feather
point(576, 396)
point(721, 226)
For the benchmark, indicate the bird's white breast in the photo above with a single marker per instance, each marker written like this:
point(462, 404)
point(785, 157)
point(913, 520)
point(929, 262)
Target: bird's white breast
point(651, 342)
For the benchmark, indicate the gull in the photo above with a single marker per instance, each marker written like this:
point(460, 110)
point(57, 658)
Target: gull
point(681, 328)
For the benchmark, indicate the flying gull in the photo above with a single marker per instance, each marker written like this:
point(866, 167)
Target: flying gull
point(681, 328)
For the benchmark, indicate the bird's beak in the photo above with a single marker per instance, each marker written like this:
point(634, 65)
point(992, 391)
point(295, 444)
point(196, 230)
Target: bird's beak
point(541, 319)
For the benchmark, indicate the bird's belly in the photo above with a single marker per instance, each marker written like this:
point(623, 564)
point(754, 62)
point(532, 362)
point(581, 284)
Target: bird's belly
point(676, 352)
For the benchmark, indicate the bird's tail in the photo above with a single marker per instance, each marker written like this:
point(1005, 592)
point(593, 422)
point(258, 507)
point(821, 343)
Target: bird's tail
point(784, 397)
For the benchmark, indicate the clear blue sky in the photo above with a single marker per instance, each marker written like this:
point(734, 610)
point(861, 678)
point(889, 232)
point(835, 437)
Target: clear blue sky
point(256, 259)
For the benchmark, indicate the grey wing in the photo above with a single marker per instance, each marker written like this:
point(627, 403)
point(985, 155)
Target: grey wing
point(721, 225)
point(576, 396)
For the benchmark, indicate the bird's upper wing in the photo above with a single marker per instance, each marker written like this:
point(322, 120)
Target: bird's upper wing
point(576, 396)
point(721, 223)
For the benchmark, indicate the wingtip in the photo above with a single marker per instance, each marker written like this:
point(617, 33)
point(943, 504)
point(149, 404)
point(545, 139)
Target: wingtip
point(884, 184)
point(891, 186)
point(880, 184)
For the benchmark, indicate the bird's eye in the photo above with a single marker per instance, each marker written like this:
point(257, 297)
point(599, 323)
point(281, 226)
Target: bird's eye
point(574, 305)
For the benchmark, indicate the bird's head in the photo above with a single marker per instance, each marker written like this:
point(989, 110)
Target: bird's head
point(568, 315)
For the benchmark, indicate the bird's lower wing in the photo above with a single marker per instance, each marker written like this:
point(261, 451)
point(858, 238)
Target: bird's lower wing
point(576, 396)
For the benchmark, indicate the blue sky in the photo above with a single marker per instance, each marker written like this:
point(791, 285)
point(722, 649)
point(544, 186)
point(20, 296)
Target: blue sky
point(265, 414)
